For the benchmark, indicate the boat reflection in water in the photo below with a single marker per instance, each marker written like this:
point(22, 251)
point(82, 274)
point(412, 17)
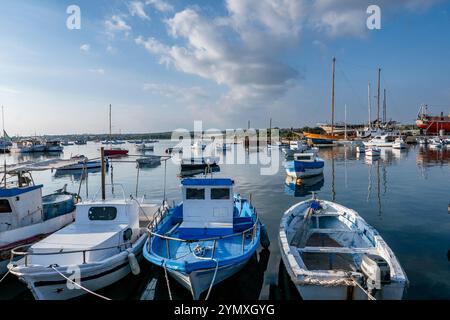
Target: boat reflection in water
point(303, 187)
point(432, 157)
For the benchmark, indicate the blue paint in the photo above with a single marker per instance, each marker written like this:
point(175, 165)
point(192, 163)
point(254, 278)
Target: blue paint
point(13, 192)
point(207, 182)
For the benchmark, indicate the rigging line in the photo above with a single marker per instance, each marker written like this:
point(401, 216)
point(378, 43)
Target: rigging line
point(80, 286)
point(358, 97)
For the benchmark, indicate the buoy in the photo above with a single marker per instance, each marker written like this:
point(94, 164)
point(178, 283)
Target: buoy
point(134, 264)
point(264, 240)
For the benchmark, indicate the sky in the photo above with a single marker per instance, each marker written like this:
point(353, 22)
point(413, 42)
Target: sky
point(163, 64)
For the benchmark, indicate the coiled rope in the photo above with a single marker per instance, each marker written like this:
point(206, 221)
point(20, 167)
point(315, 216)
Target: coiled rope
point(80, 286)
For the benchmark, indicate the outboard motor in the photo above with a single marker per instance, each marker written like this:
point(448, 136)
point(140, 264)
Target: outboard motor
point(377, 272)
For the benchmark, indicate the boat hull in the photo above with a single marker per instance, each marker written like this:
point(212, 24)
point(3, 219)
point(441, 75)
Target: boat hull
point(47, 284)
point(30, 234)
point(109, 152)
point(299, 169)
point(199, 281)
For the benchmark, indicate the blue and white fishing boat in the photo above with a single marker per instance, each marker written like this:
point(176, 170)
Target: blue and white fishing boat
point(207, 238)
point(305, 164)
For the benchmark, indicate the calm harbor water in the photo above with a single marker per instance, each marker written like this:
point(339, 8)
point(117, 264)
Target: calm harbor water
point(404, 195)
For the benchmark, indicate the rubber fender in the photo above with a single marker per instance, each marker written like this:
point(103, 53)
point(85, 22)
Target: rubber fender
point(264, 239)
point(134, 264)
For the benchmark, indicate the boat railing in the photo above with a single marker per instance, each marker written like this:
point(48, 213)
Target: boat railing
point(151, 233)
point(19, 253)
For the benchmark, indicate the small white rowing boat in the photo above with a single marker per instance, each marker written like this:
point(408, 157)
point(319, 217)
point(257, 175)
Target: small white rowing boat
point(331, 253)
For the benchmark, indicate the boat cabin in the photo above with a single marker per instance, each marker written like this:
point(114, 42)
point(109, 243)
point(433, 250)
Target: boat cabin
point(108, 225)
point(208, 207)
point(20, 207)
point(305, 157)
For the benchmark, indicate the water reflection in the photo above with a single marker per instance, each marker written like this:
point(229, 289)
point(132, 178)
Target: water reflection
point(431, 158)
point(303, 187)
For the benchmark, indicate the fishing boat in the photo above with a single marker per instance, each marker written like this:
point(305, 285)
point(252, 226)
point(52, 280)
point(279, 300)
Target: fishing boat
point(372, 151)
point(29, 146)
point(145, 147)
point(331, 253)
point(381, 141)
point(399, 144)
point(295, 147)
point(84, 164)
point(305, 164)
point(26, 216)
point(53, 146)
point(149, 161)
point(81, 142)
point(207, 238)
point(200, 163)
point(114, 151)
point(102, 246)
point(321, 140)
point(432, 124)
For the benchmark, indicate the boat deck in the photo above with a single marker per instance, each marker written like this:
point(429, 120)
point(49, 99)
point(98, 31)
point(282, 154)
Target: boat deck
point(326, 261)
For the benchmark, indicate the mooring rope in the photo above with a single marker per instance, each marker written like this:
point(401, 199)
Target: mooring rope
point(3, 278)
point(213, 279)
point(167, 280)
point(80, 286)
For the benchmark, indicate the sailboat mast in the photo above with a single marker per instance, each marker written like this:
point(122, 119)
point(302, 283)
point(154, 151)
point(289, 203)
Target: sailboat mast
point(378, 96)
point(345, 111)
point(110, 127)
point(332, 98)
point(384, 107)
point(4, 143)
point(369, 105)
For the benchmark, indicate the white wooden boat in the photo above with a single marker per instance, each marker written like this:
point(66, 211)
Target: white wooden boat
point(380, 141)
point(83, 164)
point(101, 247)
point(149, 161)
point(331, 253)
point(305, 164)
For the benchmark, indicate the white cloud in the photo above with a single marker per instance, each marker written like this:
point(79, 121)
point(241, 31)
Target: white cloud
point(160, 5)
point(136, 8)
point(85, 48)
point(97, 71)
point(111, 49)
point(117, 24)
point(244, 49)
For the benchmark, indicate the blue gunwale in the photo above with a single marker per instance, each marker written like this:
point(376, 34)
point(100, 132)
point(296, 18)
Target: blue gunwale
point(228, 248)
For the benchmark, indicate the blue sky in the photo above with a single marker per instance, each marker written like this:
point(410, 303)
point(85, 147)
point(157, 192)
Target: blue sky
point(164, 63)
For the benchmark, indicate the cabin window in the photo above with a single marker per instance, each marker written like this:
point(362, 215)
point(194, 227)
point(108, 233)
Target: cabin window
point(220, 194)
point(303, 158)
point(5, 207)
point(195, 194)
point(102, 213)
